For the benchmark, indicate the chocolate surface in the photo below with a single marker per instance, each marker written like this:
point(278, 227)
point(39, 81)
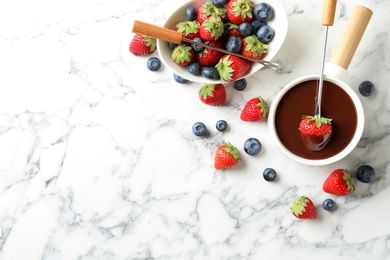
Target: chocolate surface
point(300, 100)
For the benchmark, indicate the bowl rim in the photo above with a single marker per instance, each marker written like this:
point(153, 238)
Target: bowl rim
point(275, 45)
point(337, 157)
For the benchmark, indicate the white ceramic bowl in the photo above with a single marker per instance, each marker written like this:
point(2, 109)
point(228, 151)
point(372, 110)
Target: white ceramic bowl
point(279, 23)
point(317, 162)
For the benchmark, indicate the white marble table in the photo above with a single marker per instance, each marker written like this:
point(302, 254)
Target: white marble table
point(97, 158)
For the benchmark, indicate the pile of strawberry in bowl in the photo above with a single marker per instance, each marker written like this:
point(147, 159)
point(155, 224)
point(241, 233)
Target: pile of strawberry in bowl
point(256, 29)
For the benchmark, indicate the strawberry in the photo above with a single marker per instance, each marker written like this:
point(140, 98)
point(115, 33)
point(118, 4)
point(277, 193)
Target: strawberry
point(206, 10)
point(183, 54)
point(209, 57)
point(304, 208)
point(142, 46)
point(211, 29)
point(252, 47)
point(339, 182)
point(226, 156)
point(189, 29)
point(239, 11)
point(213, 94)
point(315, 131)
point(255, 109)
point(231, 67)
point(231, 29)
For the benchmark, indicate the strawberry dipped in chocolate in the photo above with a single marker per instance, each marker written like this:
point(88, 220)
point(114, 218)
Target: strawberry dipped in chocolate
point(315, 132)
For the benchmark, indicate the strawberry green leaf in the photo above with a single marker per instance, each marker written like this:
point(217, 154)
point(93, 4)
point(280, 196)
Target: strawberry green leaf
point(215, 26)
point(188, 27)
point(232, 150)
point(255, 45)
point(207, 90)
point(210, 9)
point(348, 180)
point(318, 120)
point(322, 120)
point(231, 26)
point(243, 8)
point(150, 42)
point(224, 68)
point(299, 206)
point(181, 53)
point(263, 106)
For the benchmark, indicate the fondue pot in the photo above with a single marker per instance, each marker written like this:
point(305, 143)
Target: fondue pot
point(339, 102)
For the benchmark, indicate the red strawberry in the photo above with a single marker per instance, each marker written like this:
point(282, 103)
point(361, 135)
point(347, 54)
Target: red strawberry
point(315, 131)
point(226, 156)
point(183, 54)
point(304, 208)
point(252, 47)
point(213, 94)
point(142, 46)
point(189, 29)
point(209, 57)
point(231, 67)
point(255, 109)
point(239, 11)
point(206, 10)
point(231, 30)
point(211, 29)
point(339, 182)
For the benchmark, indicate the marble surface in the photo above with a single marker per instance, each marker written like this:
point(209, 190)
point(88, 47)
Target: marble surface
point(97, 158)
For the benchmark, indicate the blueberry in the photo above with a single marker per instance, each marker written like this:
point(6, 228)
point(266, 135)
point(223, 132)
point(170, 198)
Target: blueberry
point(245, 29)
point(328, 204)
point(252, 146)
point(153, 64)
point(171, 45)
point(265, 33)
point(196, 47)
point(256, 24)
point(210, 73)
point(234, 44)
point(221, 125)
point(366, 88)
point(263, 12)
point(240, 84)
point(190, 13)
point(199, 129)
point(365, 173)
point(269, 174)
point(179, 79)
point(194, 68)
point(219, 3)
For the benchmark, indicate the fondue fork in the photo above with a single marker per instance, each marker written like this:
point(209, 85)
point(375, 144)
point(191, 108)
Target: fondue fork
point(328, 13)
point(176, 37)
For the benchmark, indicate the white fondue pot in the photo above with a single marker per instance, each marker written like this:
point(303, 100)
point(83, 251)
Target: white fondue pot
point(335, 72)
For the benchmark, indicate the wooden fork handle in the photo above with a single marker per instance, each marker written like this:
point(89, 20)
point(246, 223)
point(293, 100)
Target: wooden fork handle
point(350, 39)
point(158, 32)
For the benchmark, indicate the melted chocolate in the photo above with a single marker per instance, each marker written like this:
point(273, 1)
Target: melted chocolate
point(300, 100)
